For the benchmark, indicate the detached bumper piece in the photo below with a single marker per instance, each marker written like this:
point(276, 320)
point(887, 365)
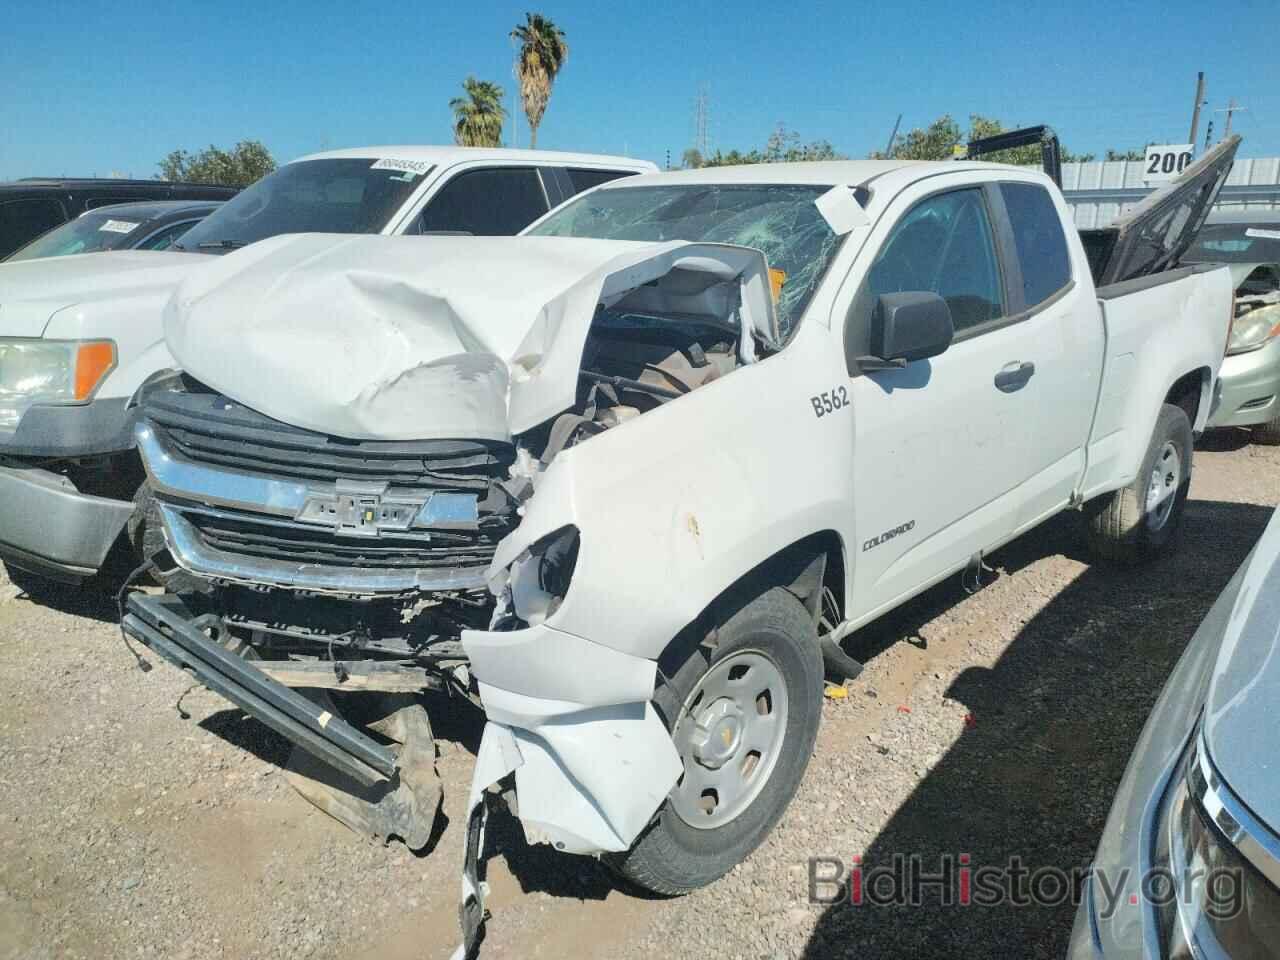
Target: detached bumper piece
point(373, 788)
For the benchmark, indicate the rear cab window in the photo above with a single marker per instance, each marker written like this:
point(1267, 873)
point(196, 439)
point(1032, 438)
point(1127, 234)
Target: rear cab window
point(1039, 240)
point(488, 202)
point(584, 179)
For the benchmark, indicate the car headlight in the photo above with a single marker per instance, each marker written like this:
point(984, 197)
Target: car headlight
point(50, 371)
point(1221, 903)
point(538, 579)
point(1253, 330)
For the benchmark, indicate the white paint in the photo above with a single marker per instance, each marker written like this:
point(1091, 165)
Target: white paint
point(413, 338)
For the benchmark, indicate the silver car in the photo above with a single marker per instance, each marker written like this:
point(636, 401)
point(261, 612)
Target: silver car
point(1248, 240)
point(1189, 862)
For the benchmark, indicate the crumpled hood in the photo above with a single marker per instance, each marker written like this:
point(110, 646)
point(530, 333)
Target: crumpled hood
point(1244, 694)
point(412, 338)
point(31, 291)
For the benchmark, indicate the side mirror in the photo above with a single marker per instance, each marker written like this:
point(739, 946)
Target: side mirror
point(905, 327)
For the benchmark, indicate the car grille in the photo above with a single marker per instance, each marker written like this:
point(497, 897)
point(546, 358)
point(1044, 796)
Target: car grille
point(249, 535)
point(209, 429)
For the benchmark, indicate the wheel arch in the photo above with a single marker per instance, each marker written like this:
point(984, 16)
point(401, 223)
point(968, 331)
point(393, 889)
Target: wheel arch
point(811, 568)
point(1191, 392)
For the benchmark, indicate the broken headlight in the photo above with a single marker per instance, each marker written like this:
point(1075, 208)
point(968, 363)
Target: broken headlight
point(539, 578)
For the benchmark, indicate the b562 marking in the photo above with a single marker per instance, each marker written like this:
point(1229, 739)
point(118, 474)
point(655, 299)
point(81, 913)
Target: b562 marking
point(830, 401)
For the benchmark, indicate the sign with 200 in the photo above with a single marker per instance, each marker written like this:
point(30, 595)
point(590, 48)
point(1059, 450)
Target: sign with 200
point(1165, 161)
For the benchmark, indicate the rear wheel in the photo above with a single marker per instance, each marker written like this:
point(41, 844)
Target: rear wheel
point(743, 715)
point(1141, 520)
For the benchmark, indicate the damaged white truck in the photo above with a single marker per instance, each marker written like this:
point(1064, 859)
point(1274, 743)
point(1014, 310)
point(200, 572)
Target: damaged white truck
point(625, 482)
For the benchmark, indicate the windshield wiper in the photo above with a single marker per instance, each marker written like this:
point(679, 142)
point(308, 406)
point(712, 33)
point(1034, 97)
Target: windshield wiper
point(221, 244)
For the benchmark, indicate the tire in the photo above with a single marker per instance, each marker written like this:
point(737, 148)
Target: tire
point(773, 632)
point(1122, 526)
point(1268, 433)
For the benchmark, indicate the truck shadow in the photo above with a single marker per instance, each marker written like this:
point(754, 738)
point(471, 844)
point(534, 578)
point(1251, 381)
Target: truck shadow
point(1053, 724)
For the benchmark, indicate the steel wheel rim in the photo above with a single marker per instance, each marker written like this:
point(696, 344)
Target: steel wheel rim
point(729, 736)
point(1162, 486)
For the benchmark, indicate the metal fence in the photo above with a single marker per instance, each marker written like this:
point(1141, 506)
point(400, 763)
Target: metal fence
point(1100, 192)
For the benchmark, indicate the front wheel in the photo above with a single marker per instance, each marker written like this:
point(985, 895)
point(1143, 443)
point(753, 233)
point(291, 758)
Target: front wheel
point(744, 715)
point(1140, 521)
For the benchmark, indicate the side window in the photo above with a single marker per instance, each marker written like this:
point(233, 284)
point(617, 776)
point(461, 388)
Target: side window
point(944, 244)
point(23, 220)
point(583, 179)
point(1037, 233)
point(498, 202)
point(163, 239)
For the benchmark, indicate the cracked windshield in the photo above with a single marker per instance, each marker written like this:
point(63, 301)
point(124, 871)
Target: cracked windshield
point(781, 221)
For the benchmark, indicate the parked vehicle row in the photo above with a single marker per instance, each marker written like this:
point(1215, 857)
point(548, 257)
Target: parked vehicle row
point(783, 398)
point(154, 225)
point(79, 337)
point(31, 207)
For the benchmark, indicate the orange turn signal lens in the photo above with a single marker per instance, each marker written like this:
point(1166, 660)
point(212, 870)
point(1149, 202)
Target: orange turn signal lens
point(776, 279)
point(94, 360)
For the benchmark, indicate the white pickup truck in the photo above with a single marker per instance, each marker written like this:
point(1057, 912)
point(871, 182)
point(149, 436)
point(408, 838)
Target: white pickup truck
point(80, 335)
point(625, 481)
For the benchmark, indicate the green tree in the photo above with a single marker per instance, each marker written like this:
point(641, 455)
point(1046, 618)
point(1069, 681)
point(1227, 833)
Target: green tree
point(478, 116)
point(939, 140)
point(542, 54)
point(691, 159)
point(1126, 154)
point(783, 146)
point(240, 166)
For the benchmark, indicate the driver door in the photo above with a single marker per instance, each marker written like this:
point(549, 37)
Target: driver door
point(937, 457)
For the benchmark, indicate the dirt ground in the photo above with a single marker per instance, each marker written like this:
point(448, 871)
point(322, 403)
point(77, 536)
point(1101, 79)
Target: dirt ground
point(996, 725)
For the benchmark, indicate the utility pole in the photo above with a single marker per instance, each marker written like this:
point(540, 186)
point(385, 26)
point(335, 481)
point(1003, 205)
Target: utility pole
point(1195, 113)
point(888, 151)
point(1231, 108)
point(701, 120)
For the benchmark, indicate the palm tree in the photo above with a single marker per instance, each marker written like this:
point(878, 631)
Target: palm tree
point(542, 54)
point(478, 117)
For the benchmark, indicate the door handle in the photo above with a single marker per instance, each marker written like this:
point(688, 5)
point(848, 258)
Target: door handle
point(1014, 376)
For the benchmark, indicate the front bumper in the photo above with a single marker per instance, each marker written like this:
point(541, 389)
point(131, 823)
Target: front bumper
point(50, 528)
point(1250, 388)
point(594, 758)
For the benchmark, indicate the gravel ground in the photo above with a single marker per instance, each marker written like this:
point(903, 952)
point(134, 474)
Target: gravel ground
point(994, 725)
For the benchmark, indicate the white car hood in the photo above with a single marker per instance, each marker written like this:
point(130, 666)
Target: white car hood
point(31, 291)
point(407, 338)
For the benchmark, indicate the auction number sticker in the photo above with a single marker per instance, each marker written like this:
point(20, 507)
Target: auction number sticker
point(117, 226)
point(415, 167)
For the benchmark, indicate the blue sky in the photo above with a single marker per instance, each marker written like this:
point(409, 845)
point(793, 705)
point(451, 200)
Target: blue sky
point(91, 89)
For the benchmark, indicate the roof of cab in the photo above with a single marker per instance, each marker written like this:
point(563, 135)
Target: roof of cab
point(815, 172)
point(454, 154)
point(154, 209)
